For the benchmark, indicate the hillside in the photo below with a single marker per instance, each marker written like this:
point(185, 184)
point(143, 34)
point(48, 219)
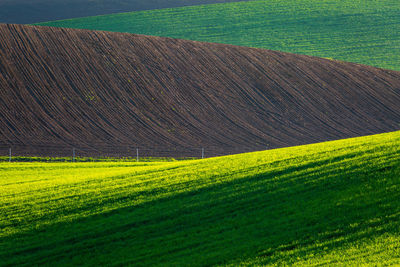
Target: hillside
point(112, 92)
point(366, 32)
point(31, 11)
point(332, 203)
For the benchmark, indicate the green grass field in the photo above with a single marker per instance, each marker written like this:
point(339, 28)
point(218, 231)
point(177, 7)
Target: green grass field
point(91, 159)
point(361, 31)
point(328, 203)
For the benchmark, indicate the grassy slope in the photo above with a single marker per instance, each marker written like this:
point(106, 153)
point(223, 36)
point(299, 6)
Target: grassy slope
point(28, 11)
point(322, 203)
point(362, 31)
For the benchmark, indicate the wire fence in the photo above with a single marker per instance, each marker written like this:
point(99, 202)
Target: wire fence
point(98, 152)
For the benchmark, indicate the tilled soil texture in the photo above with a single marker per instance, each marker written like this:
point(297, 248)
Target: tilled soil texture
point(109, 93)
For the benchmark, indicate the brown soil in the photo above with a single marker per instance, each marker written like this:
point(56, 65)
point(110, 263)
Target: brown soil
point(113, 92)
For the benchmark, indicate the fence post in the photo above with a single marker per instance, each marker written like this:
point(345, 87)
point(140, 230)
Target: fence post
point(137, 154)
point(202, 153)
point(73, 154)
point(9, 160)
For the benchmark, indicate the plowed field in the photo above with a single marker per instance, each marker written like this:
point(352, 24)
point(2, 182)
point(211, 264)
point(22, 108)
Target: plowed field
point(110, 92)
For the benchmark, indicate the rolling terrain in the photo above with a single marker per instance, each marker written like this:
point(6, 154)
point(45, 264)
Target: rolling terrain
point(31, 11)
point(113, 92)
point(366, 32)
point(332, 203)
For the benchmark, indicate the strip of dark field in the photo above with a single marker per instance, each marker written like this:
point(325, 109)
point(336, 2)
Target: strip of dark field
point(33, 11)
point(114, 92)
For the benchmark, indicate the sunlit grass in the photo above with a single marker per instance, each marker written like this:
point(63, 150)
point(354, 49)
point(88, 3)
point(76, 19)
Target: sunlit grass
point(327, 203)
point(360, 31)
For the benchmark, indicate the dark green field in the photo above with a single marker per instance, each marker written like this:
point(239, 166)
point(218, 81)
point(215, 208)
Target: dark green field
point(362, 31)
point(34, 11)
point(333, 203)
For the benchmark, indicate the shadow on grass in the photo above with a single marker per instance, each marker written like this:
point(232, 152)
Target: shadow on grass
point(252, 216)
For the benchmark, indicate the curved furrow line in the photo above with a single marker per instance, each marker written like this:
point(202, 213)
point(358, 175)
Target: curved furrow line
point(109, 92)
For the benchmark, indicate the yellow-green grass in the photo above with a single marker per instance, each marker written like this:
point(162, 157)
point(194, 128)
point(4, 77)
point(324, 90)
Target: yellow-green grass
point(328, 203)
point(361, 31)
point(91, 159)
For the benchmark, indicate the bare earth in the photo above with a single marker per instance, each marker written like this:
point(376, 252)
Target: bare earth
point(62, 88)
